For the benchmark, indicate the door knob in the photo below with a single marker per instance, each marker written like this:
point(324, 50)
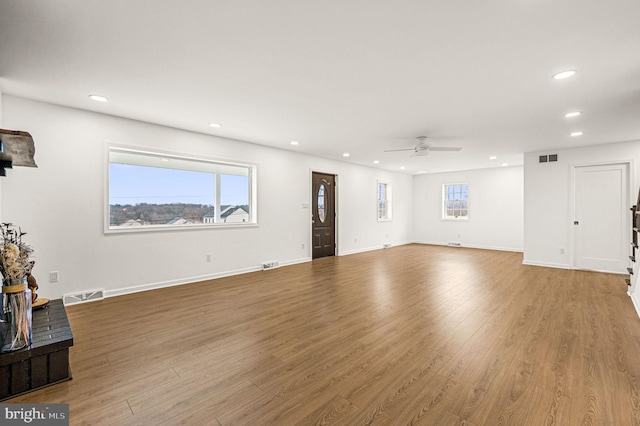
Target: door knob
point(575, 222)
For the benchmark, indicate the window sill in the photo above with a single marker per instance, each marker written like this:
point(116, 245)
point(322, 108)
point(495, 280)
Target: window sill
point(455, 219)
point(170, 228)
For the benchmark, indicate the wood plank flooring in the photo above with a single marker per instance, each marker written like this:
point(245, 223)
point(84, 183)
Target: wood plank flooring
point(414, 334)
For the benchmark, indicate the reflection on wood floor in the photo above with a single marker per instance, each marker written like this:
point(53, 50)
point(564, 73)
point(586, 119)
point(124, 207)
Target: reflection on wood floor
point(415, 334)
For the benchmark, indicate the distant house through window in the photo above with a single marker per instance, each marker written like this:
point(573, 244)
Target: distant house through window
point(384, 201)
point(455, 201)
point(150, 190)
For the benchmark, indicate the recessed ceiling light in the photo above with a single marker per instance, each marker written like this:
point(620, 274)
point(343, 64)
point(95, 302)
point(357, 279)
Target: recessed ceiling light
point(421, 172)
point(493, 157)
point(164, 159)
point(576, 133)
point(572, 114)
point(215, 125)
point(295, 143)
point(504, 164)
point(346, 154)
point(564, 74)
point(376, 162)
point(402, 167)
point(98, 98)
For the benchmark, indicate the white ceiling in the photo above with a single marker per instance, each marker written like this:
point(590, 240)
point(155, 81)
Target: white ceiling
point(357, 76)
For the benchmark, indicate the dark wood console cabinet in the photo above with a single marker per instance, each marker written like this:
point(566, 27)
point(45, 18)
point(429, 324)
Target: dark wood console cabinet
point(46, 361)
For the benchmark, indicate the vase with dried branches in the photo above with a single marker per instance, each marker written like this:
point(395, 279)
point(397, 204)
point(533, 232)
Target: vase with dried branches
point(15, 310)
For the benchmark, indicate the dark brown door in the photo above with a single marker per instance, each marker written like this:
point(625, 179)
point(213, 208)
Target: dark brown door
point(323, 216)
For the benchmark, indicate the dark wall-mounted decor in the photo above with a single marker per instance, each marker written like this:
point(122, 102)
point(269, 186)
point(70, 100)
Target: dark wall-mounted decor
point(16, 149)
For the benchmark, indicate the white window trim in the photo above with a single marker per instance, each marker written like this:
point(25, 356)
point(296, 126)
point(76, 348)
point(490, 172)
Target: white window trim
point(389, 200)
point(253, 197)
point(445, 217)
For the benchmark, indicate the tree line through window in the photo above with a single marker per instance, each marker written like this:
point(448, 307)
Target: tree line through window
point(151, 190)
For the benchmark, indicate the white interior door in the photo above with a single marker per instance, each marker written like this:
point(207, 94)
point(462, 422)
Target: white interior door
point(602, 221)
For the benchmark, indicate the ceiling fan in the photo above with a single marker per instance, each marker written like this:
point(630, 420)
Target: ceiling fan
point(421, 149)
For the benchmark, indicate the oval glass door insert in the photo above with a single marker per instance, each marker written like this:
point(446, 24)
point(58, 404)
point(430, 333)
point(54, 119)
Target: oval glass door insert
point(321, 200)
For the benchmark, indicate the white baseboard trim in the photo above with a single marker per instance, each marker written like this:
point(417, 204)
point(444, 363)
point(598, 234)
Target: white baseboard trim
point(475, 246)
point(296, 261)
point(547, 264)
point(356, 251)
point(362, 250)
point(564, 266)
point(190, 280)
point(181, 281)
point(635, 301)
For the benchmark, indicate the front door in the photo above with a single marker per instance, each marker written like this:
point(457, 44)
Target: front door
point(323, 217)
point(602, 219)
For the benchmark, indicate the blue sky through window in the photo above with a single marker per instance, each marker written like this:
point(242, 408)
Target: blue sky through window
point(129, 184)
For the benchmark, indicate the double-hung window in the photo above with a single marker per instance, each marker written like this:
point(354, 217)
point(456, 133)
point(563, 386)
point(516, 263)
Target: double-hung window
point(153, 190)
point(455, 201)
point(384, 201)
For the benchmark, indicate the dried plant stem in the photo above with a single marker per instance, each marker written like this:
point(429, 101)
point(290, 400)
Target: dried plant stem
point(20, 315)
point(17, 306)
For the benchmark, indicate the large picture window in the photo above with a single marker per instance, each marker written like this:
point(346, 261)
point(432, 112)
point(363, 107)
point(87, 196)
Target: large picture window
point(455, 201)
point(152, 190)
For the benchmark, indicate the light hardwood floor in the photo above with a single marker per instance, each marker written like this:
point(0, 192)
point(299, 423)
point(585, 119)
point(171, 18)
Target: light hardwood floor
point(410, 335)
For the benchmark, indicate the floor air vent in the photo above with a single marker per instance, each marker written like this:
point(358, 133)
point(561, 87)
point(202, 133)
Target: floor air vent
point(87, 296)
point(454, 243)
point(270, 265)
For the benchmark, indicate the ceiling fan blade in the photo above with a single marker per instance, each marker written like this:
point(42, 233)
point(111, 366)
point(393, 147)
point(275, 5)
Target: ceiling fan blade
point(443, 148)
point(393, 150)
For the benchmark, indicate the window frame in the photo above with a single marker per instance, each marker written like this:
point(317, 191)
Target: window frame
point(153, 152)
point(447, 217)
point(388, 200)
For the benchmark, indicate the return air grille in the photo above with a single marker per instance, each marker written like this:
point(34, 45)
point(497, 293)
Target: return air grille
point(87, 296)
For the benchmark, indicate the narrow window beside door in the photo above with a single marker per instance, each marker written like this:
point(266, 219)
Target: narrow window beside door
point(384, 201)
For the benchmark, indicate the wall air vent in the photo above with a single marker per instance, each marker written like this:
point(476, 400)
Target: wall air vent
point(548, 158)
point(270, 265)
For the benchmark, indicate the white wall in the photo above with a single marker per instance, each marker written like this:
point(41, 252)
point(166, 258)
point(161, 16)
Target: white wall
point(495, 209)
point(365, 229)
point(547, 202)
point(60, 205)
point(548, 221)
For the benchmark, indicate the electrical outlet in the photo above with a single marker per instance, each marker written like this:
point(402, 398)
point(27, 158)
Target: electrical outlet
point(208, 257)
point(302, 246)
point(53, 276)
point(561, 250)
